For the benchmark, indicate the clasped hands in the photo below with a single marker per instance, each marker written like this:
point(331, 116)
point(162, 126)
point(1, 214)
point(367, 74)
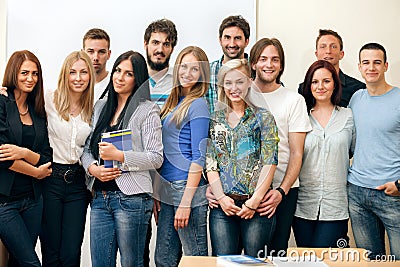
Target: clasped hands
point(266, 207)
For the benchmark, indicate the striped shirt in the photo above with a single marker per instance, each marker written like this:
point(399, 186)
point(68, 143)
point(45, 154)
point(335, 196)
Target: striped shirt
point(146, 153)
point(160, 90)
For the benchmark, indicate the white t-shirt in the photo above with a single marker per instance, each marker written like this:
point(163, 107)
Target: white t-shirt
point(290, 113)
point(100, 87)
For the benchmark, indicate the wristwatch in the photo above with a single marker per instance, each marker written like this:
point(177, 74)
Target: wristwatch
point(280, 190)
point(397, 185)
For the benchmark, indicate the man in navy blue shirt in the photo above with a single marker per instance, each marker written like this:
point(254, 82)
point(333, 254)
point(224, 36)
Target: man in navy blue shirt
point(329, 47)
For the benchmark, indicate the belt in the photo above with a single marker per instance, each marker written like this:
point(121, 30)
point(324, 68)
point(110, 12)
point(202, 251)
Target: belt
point(69, 172)
point(239, 197)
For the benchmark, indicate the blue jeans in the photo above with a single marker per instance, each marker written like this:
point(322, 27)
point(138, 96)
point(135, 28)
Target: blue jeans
point(192, 238)
point(19, 229)
point(371, 213)
point(227, 232)
point(320, 234)
point(119, 221)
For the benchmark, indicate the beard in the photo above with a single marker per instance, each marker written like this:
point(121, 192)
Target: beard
point(157, 66)
point(238, 54)
point(266, 79)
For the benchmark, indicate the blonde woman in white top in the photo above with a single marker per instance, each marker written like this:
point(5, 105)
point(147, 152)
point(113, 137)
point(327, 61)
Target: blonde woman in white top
point(69, 109)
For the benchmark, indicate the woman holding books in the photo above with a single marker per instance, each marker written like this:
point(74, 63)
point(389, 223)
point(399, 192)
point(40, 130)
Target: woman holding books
point(25, 157)
point(122, 203)
point(65, 197)
point(182, 218)
point(242, 155)
point(321, 218)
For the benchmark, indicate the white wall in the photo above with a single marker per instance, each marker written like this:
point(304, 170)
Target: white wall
point(3, 40)
point(53, 29)
point(296, 24)
point(2, 64)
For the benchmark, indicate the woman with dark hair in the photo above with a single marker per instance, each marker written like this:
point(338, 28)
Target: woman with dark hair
point(122, 203)
point(25, 157)
point(321, 218)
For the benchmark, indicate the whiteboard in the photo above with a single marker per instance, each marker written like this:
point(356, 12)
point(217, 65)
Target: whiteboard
point(52, 29)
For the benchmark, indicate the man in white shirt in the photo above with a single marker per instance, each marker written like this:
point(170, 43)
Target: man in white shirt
point(289, 109)
point(160, 39)
point(96, 43)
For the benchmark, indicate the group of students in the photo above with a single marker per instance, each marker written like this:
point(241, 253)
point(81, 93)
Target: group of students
point(259, 155)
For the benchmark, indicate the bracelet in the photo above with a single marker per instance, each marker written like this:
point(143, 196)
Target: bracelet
point(280, 190)
point(250, 208)
point(221, 197)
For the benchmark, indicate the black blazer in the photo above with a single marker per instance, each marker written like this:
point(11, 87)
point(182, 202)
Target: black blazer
point(11, 133)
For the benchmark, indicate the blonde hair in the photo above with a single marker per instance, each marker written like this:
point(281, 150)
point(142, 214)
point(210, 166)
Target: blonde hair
point(62, 99)
point(241, 65)
point(198, 90)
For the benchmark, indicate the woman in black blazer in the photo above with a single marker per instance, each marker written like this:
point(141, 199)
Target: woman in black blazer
point(25, 157)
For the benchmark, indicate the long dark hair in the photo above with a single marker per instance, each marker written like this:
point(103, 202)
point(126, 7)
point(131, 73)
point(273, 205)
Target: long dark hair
point(35, 98)
point(140, 92)
point(337, 91)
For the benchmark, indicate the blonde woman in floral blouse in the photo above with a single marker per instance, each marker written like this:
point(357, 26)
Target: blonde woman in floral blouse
point(242, 155)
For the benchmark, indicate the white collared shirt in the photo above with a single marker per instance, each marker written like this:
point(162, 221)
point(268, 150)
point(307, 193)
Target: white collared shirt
point(323, 175)
point(67, 138)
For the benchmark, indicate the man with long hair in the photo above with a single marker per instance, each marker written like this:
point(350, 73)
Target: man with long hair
point(267, 61)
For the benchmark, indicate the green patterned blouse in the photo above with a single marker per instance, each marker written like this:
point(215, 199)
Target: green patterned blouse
point(239, 153)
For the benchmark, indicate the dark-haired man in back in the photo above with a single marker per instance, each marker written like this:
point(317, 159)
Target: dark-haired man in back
point(160, 39)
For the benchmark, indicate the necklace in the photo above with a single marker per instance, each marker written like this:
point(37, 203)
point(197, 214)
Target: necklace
point(75, 110)
point(24, 113)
